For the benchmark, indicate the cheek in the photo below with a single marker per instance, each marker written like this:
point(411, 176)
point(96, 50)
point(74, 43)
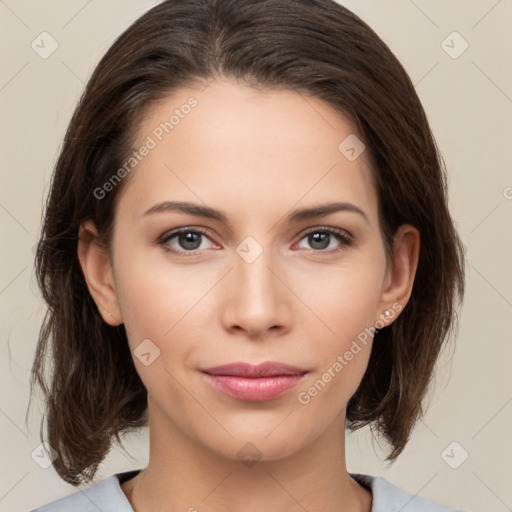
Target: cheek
point(346, 301)
point(155, 297)
point(345, 297)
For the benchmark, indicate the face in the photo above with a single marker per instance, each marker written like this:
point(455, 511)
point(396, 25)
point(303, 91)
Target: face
point(248, 279)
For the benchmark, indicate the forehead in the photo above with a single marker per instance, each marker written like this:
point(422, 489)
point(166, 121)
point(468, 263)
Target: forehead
point(227, 144)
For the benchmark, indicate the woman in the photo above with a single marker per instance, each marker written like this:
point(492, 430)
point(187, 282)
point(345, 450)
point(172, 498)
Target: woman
point(246, 247)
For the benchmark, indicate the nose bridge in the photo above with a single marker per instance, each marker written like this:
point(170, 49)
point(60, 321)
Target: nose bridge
point(253, 262)
point(257, 296)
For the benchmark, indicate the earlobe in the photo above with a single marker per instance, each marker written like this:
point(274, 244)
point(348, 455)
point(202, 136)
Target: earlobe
point(96, 267)
point(402, 270)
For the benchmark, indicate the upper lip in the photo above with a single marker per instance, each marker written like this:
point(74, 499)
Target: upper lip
point(266, 369)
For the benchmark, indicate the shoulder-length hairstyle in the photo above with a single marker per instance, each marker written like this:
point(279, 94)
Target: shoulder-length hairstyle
point(315, 47)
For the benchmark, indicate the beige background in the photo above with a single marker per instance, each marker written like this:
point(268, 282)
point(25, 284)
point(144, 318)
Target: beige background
point(469, 104)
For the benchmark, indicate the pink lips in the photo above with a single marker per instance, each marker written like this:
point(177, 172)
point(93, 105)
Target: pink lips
point(254, 383)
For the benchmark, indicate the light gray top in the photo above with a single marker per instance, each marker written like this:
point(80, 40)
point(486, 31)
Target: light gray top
point(107, 496)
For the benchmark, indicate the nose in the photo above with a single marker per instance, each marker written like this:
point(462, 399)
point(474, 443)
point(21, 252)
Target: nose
point(258, 297)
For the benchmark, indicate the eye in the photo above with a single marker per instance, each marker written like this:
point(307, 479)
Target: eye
point(189, 241)
point(321, 238)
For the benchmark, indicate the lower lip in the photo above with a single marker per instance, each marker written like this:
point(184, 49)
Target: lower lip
point(254, 389)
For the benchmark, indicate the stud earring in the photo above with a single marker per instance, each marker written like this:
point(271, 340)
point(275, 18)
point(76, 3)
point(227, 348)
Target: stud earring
point(387, 313)
point(108, 312)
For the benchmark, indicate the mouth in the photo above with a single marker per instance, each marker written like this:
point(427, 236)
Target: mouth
point(255, 383)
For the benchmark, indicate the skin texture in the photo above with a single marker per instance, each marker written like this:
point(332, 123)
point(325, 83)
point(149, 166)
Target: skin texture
point(256, 155)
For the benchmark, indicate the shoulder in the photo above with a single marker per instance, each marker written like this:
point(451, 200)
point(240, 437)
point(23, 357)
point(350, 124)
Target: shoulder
point(387, 497)
point(105, 495)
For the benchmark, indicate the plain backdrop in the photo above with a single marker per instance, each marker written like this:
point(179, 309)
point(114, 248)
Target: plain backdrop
point(460, 453)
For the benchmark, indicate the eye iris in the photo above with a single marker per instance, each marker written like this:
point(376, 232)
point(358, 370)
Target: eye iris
point(185, 239)
point(319, 238)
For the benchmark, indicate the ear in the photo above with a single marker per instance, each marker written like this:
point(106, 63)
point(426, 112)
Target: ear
point(400, 273)
point(97, 269)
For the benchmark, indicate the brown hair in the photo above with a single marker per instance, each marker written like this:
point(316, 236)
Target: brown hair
point(315, 47)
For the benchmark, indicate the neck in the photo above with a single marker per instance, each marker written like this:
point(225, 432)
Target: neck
point(185, 475)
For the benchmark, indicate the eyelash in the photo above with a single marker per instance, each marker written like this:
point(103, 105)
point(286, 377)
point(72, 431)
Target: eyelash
point(345, 239)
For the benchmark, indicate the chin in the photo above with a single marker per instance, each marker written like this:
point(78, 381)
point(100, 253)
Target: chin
point(256, 441)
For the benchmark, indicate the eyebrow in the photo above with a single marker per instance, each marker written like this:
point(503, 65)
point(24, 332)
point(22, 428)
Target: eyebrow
point(211, 213)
